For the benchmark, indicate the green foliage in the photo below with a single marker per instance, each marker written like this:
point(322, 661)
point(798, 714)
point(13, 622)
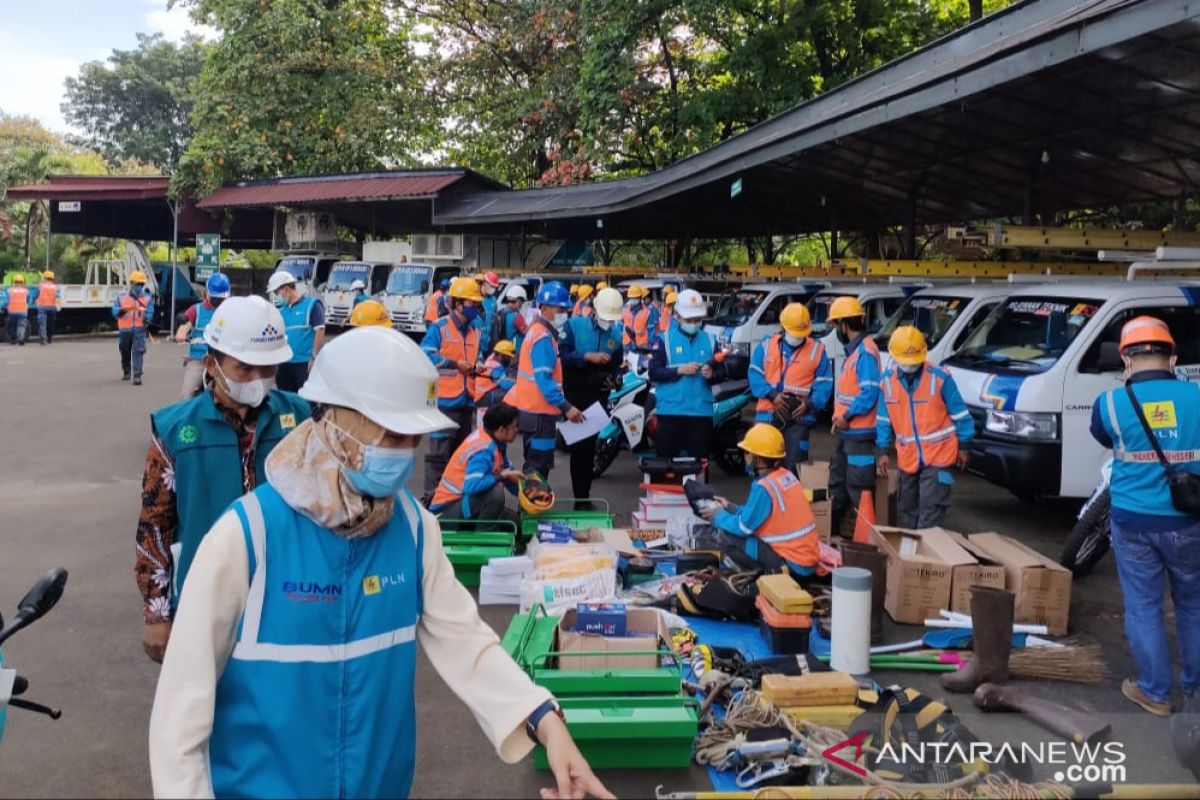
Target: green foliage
point(138, 104)
point(297, 87)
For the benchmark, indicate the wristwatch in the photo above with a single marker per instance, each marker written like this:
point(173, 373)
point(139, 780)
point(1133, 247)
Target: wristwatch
point(548, 707)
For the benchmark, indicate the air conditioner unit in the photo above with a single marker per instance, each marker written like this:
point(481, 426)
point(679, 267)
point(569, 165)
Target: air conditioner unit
point(444, 247)
point(450, 246)
point(424, 245)
point(310, 229)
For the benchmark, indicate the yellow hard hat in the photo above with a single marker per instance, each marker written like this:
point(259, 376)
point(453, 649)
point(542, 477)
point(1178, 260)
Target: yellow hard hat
point(370, 312)
point(670, 297)
point(48, 275)
point(505, 347)
point(465, 289)
point(845, 307)
point(574, 289)
point(601, 285)
point(907, 345)
point(585, 291)
point(763, 440)
point(18, 278)
point(637, 290)
point(535, 495)
point(137, 277)
point(796, 320)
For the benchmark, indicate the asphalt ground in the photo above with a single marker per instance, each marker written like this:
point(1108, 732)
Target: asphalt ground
point(74, 441)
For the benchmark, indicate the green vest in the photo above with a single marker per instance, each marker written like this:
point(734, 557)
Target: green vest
point(208, 469)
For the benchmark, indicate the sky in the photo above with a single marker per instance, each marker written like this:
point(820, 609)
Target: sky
point(43, 43)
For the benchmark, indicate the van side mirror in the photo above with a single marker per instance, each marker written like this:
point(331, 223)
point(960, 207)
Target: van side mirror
point(1110, 358)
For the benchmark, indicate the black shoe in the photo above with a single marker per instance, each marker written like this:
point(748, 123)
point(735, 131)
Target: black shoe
point(137, 380)
point(125, 377)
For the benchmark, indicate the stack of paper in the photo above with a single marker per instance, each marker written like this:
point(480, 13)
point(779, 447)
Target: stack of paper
point(500, 580)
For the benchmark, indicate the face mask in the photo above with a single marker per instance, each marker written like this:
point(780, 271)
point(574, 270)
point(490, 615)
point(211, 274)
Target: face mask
point(470, 312)
point(909, 369)
point(384, 471)
point(843, 336)
point(487, 290)
point(690, 328)
point(604, 324)
point(793, 341)
point(560, 321)
point(245, 393)
point(136, 290)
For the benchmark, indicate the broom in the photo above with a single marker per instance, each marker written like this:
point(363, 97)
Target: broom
point(1069, 661)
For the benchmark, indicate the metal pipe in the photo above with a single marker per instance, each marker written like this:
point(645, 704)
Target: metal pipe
point(174, 262)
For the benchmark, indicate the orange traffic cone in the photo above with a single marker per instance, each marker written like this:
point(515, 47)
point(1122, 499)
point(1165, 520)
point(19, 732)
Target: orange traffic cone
point(865, 517)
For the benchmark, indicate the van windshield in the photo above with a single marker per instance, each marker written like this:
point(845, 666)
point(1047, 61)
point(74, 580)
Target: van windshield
point(1027, 334)
point(409, 280)
point(300, 268)
point(932, 315)
point(819, 309)
point(737, 307)
point(342, 275)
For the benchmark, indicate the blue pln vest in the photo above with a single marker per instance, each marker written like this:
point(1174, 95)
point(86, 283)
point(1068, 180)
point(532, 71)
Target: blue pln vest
point(1139, 482)
point(300, 334)
point(317, 698)
point(590, 339)
point(208, 474)
point(198, 349)
point(690, 396)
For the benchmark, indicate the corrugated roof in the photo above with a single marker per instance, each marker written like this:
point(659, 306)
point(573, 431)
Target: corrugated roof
point(93, 187)
point(326, 188)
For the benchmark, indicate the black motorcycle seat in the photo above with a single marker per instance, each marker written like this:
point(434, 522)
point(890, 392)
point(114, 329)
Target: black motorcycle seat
point(728, 389)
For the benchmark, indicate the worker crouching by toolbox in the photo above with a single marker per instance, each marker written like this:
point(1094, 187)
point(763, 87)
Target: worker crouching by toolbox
point(775, 528)
point(479, 472)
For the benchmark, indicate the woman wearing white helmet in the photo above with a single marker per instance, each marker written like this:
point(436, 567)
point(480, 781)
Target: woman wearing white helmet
point(683, 370)
point(209, 450)
point(360, 292)
point(509, 323)
point(292, 665)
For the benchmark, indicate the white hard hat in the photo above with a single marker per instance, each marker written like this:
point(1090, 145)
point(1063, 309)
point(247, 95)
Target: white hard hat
point(690, 305)
point(516, 290)
point(279, 279)
point(249, 329)
point(358, 285)
point(608, 304)
point(381, 374)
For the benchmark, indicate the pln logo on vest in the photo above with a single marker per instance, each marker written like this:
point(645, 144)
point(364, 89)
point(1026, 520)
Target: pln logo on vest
point(375, 584)
point(1160, 415)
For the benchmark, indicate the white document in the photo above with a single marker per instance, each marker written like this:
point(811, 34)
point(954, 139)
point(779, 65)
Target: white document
point(594, 420)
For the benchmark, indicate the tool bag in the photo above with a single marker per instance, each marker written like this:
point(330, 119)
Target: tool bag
point(719, 596)
point(1184, 485)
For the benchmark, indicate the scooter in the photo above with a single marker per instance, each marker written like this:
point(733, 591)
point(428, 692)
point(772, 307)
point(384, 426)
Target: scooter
point(1091, 537)
point(627, 412)
point(36, 603)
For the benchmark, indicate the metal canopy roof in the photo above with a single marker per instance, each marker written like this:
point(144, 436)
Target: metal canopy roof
point(355, 187)
point(1049, 104)
point(94, 187)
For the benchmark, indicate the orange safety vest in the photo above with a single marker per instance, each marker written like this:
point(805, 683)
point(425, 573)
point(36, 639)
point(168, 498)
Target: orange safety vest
point(484, 382)
point(791, 530)
point(18, 300)
point(637, 331)
point(431, 308)
point(136, 309)
point(848, 389)
point(583, 308)
point(921, 422)
point(797, 375)
point(525, 394)
point(450, 488)
point(664, 319)
point(47, 294)
point(451, 382)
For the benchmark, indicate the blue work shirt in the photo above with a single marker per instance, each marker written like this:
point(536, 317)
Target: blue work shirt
point(582, 336)
point(760, 387)
point(484, 323)
point(683, 395)
point(867, 375)
point(745, 519)
point(432, 345)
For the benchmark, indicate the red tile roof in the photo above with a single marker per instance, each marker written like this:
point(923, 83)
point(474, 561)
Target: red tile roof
point(325, 188)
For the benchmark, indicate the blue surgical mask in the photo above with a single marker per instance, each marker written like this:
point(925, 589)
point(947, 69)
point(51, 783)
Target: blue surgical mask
point(471, 313)
point(135, 290)
point(690, 328)
point(385, 470)
point(909, 369)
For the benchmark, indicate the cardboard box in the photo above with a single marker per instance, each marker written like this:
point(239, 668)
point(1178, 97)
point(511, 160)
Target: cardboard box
point(814, 476)
point(1042, 585)
point(887, 494)
point(616, 538)
point(645, 632)
point(985, 572)
point(823, 517)
point(919, 576)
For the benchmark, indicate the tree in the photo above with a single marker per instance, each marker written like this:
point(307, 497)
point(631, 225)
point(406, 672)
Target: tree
point(296, 87)
point(138, 105)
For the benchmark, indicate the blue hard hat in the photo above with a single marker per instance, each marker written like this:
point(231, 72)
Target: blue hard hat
point(554, 293)
point(445, 283)
point(217, 285)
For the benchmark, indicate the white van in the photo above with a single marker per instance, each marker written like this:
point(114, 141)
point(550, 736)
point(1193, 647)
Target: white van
point(338, 297)
point(946, 314)
point(1032, 370)
point(745, 316)
point(879, 301)
point(407, 293)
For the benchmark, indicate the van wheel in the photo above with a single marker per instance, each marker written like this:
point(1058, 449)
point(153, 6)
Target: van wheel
point(1033, 498)
point(726, 453)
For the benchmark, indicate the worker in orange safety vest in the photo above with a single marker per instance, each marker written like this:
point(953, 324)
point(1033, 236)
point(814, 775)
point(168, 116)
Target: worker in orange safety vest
point(131, 310)
point(16, 308)
point(856, 397)
point(640, 320)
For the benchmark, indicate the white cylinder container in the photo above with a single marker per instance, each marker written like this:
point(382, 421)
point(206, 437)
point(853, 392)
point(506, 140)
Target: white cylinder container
point(850, 623)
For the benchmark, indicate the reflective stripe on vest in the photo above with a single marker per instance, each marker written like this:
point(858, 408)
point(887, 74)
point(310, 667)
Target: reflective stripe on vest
point(484, 382)
point(790, 529)
point(637, 333)
point(47, 295)
point(925, 433)
point(797, 376)
point(1143, 456)
point(432, 312)
point(525, 394)
point(136, 308)
point(455, 476)
point(452, 384)
point(18, 300)
point(848, 387)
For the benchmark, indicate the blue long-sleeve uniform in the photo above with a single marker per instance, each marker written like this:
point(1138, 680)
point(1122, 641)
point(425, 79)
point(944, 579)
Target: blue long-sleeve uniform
point(432, 345)
point(484, 323)
point(504, 377)
point(543, 358)
point(867, 372)
point(116, 309)
point(584, 336)
point(964, 427)
point(480, 476)
point(742, 521)
point(760, 387)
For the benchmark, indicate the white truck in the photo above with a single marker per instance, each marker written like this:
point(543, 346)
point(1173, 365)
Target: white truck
point(338, 294)
point(407, 291)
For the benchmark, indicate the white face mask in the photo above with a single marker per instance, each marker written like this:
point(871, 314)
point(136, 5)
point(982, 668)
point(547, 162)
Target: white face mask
point(794, 341)
point(604, 324)
point(246, 393)
point(909, 369)
point(560, 320)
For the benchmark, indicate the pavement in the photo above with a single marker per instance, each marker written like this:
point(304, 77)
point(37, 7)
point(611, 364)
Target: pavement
point(76, 439)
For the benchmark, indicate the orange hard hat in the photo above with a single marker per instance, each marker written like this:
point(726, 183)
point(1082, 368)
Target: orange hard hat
point(1147, 331)
point(491, 279)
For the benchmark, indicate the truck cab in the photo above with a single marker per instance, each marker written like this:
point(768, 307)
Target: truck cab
point(310, 267)
point(946, 314)
point(746, 315)
point(337, 294)
point(1031, 372)
point(407, 291)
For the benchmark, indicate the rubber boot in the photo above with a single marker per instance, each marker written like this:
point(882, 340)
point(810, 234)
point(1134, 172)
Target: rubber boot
point(867, 556)
point(991, 640)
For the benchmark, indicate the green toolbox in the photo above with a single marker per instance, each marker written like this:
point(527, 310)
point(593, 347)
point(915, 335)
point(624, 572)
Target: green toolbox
point(653, 731)
point(665, 679)
point(530, 635)
point(470, 544)
point(577, 520)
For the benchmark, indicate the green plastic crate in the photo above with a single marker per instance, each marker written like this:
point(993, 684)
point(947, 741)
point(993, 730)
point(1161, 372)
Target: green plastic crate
point(530, 635)
point(469, 544)
point(654, 732)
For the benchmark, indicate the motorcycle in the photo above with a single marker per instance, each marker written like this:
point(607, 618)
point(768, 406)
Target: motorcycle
point(1091, 537)
point(36, 603)
point(627, 412)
